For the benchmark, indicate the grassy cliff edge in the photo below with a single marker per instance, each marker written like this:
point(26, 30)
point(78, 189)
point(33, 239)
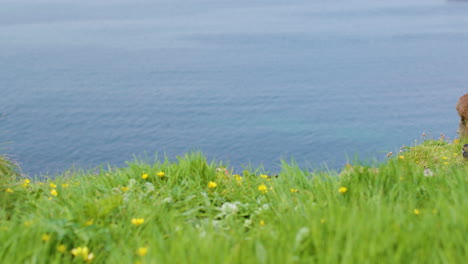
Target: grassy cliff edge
point(412, 208)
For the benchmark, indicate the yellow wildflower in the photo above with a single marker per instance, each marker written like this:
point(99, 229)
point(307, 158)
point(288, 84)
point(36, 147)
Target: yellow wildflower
point(446, 163)
point(401, 157)
point(238, 178)
point(444, 158)
point(294, 190)
point(416, 211)
point(262, 223)
point(212, 184)
point(65, 185)
point(53, 185)
point(124, 189)
point(45, 237)
point(264, 176)
point(54, 192)
point(160, 174)
point(26, 182)
point(89, 222)
point(455, 154)
point(138, 221)
point(9, 190)
point(262, 188)
point(342, 189)
point(79, 251)
point(144, 176)
point(142, 251)
point(83, 252)
point(62, 248)
point(456, 141)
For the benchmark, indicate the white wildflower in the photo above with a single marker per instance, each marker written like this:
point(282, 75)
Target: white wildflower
point(428, 172)
point(131, 182)
point(230, 208)
point(264, 207)
point(149, 187)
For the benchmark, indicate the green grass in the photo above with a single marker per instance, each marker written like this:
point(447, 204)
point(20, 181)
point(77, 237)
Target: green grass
point(388, 214)
point(8, 168)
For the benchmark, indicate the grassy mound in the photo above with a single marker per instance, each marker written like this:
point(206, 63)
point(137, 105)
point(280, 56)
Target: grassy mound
point(411, 209)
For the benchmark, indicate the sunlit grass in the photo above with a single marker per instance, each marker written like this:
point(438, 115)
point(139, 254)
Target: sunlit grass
point(193, 211)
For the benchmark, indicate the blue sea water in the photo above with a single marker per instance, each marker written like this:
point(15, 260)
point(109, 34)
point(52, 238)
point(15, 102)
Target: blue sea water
point(87, 83)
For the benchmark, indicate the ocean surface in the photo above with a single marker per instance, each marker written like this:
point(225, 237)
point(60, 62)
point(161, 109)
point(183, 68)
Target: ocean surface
point(86, 83)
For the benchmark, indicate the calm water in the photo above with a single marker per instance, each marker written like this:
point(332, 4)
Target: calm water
point(95, 82)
